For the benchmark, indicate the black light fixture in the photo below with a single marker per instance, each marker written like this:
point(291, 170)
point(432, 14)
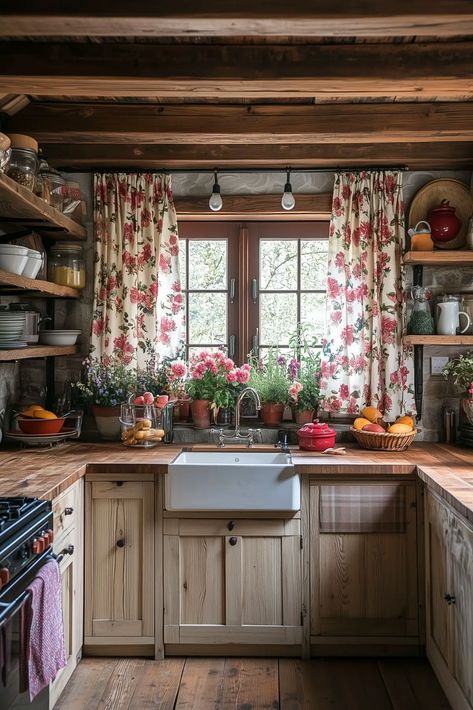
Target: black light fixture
point(215, 202)
point(287, 200)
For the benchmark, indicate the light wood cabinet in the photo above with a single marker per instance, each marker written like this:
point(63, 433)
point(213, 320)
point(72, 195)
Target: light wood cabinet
point(449, 574)
point(363, 564)
point(119, 572)
point(232, 581)
point(68, 545)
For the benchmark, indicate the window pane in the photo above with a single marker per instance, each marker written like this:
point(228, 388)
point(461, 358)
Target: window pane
point(208, 263)
point(314, 255)
point(183, 262)
point(207, 318)
point(278, 317)
point(313, 313)
point(278, 264)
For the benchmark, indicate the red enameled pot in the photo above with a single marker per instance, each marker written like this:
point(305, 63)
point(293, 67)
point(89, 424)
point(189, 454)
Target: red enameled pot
point(316, 436)
point(444, 223)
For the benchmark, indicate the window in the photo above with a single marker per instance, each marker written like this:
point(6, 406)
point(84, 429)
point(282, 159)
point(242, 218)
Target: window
point(247, 287)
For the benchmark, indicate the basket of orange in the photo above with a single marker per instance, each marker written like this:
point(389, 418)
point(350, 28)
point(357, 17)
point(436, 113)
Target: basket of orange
point(372, 432)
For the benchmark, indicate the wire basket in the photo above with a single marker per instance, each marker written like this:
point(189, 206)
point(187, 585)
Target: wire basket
point(378, 441)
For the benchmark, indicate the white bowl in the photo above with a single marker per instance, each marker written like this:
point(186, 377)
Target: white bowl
point(61, 337)
point(13, 258)
point(33, 264)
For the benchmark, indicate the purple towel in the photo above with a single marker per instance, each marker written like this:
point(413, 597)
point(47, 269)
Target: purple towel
point(42, 651)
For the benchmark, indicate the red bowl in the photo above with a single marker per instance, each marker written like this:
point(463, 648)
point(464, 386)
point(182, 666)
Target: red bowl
point(40, 426)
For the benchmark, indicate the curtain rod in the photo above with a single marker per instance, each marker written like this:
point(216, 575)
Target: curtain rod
point(223, 171)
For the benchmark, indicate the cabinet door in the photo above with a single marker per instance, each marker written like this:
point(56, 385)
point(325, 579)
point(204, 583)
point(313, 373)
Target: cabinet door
point(237, 586)
point(363, 573)
point(461, 560)
point(119, 603)
point(438, 577)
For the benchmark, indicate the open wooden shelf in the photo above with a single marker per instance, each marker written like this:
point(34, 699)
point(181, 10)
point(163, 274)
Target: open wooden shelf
point(437, 339)
point(22, 283)
point(37, 351)
point(19, 206)
point(439, 258)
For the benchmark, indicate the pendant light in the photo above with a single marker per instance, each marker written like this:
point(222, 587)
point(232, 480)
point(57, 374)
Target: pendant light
point(215, 202)
point(287, 200)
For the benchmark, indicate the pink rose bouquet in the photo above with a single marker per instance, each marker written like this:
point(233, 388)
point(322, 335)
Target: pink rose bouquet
point(215, 377)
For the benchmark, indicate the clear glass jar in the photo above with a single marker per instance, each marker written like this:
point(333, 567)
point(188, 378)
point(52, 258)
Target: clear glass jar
point(42, 186)
point(23, 167)
point(57, 188)
point(421, 321)
point(66, 265)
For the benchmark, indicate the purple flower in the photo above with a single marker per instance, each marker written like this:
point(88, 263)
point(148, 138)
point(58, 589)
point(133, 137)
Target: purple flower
point(281, 360)
point(293, 368)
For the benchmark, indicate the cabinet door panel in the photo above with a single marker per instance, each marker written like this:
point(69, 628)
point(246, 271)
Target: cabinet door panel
point(261, 581)
point(462, 610)
point(340, 577)
point(386, 591)
point(437, 576)
point(202, 580)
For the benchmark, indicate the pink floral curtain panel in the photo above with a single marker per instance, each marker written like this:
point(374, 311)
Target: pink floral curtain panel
point(363, 359)
point(138, 308)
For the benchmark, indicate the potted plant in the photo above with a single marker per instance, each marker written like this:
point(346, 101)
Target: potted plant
point(270, 379)
point(460, 371)
point(214, 382)
point(304, 373)
point(106, 385)
point(176, 372)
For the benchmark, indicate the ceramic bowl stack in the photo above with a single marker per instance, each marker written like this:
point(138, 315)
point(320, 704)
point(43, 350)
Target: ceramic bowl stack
point(20, 260)
point(12, 324)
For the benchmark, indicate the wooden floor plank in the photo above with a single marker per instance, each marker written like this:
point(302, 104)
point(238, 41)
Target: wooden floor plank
point(158, 685)
point(87, 684)
point(121, 685)
point(412, 685)
point(250, 684)
point(201, 684)
point(329, 684)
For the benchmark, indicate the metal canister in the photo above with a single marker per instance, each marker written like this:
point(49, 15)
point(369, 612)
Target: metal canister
point(449, 431)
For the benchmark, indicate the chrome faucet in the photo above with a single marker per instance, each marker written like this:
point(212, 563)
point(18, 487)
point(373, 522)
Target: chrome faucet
point(236, 434)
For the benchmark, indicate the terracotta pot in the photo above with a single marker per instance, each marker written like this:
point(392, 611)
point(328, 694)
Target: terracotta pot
point(200, 413)
point(184, 409)
point(107, 420)
point(304, 417)
point(271, 413)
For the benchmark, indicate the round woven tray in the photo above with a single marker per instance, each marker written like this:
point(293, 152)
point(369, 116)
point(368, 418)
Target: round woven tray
point(383, 442)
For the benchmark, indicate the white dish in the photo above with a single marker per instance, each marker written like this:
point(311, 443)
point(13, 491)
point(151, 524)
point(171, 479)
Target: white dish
point(13, 258)
point(13, 345)
point(49, 337)
point(69, 433)
point(33, 264)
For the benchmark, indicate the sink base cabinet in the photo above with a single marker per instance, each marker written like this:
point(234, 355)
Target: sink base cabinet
point(363, 568)
point(232, 583)
point(449, 600)
point(119, 569)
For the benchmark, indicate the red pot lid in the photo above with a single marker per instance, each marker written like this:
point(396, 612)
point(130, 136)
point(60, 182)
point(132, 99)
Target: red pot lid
point(316, 428)
point(443, 208)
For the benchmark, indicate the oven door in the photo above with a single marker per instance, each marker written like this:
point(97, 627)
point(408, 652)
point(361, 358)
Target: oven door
point(12, 598)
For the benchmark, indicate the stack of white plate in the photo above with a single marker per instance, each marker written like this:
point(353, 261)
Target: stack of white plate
point(12, 324)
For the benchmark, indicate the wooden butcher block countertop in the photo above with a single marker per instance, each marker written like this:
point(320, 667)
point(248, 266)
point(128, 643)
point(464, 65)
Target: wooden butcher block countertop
point(47, 473)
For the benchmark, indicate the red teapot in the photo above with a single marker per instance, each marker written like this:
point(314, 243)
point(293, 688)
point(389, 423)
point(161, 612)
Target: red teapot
point(444, 223)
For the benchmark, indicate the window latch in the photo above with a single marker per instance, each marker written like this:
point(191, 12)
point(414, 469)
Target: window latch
point(232, 290)
point(254, 290)
point(232, 346)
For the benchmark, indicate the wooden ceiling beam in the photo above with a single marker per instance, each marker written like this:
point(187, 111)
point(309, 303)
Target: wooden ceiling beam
point(415, 155)
point(226, 71)
point(362, 18)
point(188, 124)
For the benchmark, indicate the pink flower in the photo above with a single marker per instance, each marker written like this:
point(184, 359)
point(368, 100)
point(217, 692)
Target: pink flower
point(388, 329)
point(347, 334)
point(231, 376)
point(333, 287)
point(344, 392)
point(179, 369)
point(228, 364)
point(134, 295)
point(336, 316)
point(394, 378)
point(243, 375)
point(164, 264)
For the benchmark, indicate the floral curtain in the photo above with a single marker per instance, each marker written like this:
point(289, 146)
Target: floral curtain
point(138, 309)
point(363, 360)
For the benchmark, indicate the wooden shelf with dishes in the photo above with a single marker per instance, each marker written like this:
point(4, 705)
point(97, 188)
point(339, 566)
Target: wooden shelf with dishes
point(440, 257)
point(438, 340)
point(12, 283)
point(19, 206)
point(34, 351)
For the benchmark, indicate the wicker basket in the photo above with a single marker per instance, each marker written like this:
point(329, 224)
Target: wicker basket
point(383, 442)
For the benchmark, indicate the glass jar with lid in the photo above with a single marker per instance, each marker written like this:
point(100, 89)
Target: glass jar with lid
point(23, 164)
point(57, 187)
point(66, 265)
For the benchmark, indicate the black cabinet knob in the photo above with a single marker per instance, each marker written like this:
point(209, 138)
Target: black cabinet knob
point(450, 598)
point(233, 540)
point(231, 525)
point(121, 542)
point(119, 483)
point(68, 511)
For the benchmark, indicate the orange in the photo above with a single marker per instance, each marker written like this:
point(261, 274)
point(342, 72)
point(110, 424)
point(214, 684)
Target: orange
point(398, 428)
point(360, 422)
point(372, 414)
point(43, 414)
point(406, 419)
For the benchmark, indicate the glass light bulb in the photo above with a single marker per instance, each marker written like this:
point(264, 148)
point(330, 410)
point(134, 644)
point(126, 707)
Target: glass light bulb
point(215, 202)
point(288, 201)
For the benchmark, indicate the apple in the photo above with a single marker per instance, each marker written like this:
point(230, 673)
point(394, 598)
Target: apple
point(373, 427)
point(161, 401)
point(139, 401)
point(148, 398)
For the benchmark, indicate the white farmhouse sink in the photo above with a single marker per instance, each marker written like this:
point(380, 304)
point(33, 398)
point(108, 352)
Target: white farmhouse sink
point(218, 480)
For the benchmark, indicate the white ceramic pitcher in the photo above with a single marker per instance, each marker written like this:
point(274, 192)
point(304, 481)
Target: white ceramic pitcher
point(448, 318)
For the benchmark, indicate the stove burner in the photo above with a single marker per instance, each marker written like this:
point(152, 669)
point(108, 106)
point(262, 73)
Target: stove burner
point(13, 509)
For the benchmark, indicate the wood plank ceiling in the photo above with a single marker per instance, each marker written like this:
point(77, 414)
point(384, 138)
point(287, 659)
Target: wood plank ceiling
point(241, 83)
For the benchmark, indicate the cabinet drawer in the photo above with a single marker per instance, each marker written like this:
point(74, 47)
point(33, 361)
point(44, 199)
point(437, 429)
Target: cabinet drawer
point(66, 508)
point(231, 526)
point(62, 543)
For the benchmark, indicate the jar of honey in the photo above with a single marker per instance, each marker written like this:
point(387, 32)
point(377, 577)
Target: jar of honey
point(66, 265)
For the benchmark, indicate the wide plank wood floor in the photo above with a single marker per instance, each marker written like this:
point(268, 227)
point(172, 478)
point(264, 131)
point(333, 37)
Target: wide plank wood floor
point(253, 684)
